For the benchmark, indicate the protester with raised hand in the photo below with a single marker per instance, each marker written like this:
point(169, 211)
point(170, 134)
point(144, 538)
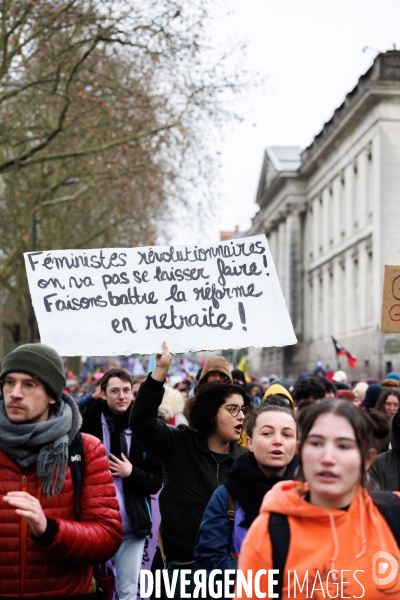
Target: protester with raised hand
point(327, 527)
point(196, 458)
point(271, 438)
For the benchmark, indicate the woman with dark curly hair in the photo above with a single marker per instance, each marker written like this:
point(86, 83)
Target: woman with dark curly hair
point(271, 439)
point(196, 458)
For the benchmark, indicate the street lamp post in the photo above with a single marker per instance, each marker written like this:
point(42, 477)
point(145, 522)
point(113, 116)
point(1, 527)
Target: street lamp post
point(32, 319)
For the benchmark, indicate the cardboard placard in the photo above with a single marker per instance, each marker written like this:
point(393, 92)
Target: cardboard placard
point(390, 320)
point(115, 301)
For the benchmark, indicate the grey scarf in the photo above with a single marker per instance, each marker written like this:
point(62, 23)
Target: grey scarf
point(42, 444)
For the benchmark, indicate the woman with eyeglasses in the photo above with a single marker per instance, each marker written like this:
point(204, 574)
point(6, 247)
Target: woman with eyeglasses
point(271, 438)
point(389, 402)
point(196, 458)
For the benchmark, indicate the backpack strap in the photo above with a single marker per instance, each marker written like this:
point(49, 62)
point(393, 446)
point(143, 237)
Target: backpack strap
point(388, 505)
point(231, 509)
point(75, 463)
point(279, 533)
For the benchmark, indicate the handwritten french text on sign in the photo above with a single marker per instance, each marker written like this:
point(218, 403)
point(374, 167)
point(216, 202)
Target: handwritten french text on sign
point(390, 320)
point(128, 300)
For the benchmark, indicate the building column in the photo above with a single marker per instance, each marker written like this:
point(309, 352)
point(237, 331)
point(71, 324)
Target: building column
point(349, 290)
point(281, 255)
point(362, 284)
point(295, 265)
point(362, 177)
point(336, 298)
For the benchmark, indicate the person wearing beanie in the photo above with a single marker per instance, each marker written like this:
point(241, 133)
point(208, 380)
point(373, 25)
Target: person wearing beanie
point(360, 390)
point(371, 396)
point(238, 377)
point(215, 369)
point(265, 383)
point(393, 375)
point(339, 376)
point(348, 395)
point(319, 371)
point(275, 390)
point(39, 361)
point(384, 473)
point(388, 384)
point(38, 423)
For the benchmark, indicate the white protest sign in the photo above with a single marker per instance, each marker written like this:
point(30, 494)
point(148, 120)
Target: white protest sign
point(128, 300)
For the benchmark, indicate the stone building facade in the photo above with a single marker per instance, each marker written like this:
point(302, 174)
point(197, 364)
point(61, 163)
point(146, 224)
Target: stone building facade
point(332, 217)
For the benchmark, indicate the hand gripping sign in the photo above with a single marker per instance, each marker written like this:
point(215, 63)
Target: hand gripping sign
point(115, 301)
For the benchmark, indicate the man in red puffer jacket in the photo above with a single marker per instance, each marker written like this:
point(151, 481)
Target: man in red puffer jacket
point(44, 551)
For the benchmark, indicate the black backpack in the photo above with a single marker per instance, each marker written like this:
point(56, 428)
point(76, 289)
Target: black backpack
point(103, 574)
point(387, 503)
point(75, 463)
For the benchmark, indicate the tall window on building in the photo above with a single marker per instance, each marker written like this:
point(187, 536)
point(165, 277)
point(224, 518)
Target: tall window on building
point(310, 233)
point(317, 225)
point(321, 305)
point(309, 314)
point(330, 316)
point(342, 206)
point(322, 221)
point(342, 294)
point(368, 291)
point(356, 292)
point(356, 196)
point(370, 182)
point(331, 215)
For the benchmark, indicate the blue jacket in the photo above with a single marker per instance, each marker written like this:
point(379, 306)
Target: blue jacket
point(216, 538)
point(214, 541)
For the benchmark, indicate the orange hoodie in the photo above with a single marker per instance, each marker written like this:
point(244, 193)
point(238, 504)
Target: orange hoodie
point(325, 541)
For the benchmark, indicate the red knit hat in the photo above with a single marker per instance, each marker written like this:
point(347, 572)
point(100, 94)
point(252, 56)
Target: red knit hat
point(346, 395)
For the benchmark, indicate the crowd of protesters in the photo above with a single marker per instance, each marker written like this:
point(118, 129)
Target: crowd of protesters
point(254, 474)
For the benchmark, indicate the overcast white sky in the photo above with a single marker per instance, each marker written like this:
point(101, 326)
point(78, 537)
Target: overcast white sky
point(311, 52)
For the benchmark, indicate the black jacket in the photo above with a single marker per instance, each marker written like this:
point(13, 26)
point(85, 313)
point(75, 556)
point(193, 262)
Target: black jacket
point(191, 473)
point(145, 479)
point(385, 472)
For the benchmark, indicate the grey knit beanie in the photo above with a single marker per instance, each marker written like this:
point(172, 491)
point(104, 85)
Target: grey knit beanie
point(40, 361)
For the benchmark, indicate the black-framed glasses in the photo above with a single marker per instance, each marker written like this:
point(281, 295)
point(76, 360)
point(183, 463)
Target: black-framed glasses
point(234, 410)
